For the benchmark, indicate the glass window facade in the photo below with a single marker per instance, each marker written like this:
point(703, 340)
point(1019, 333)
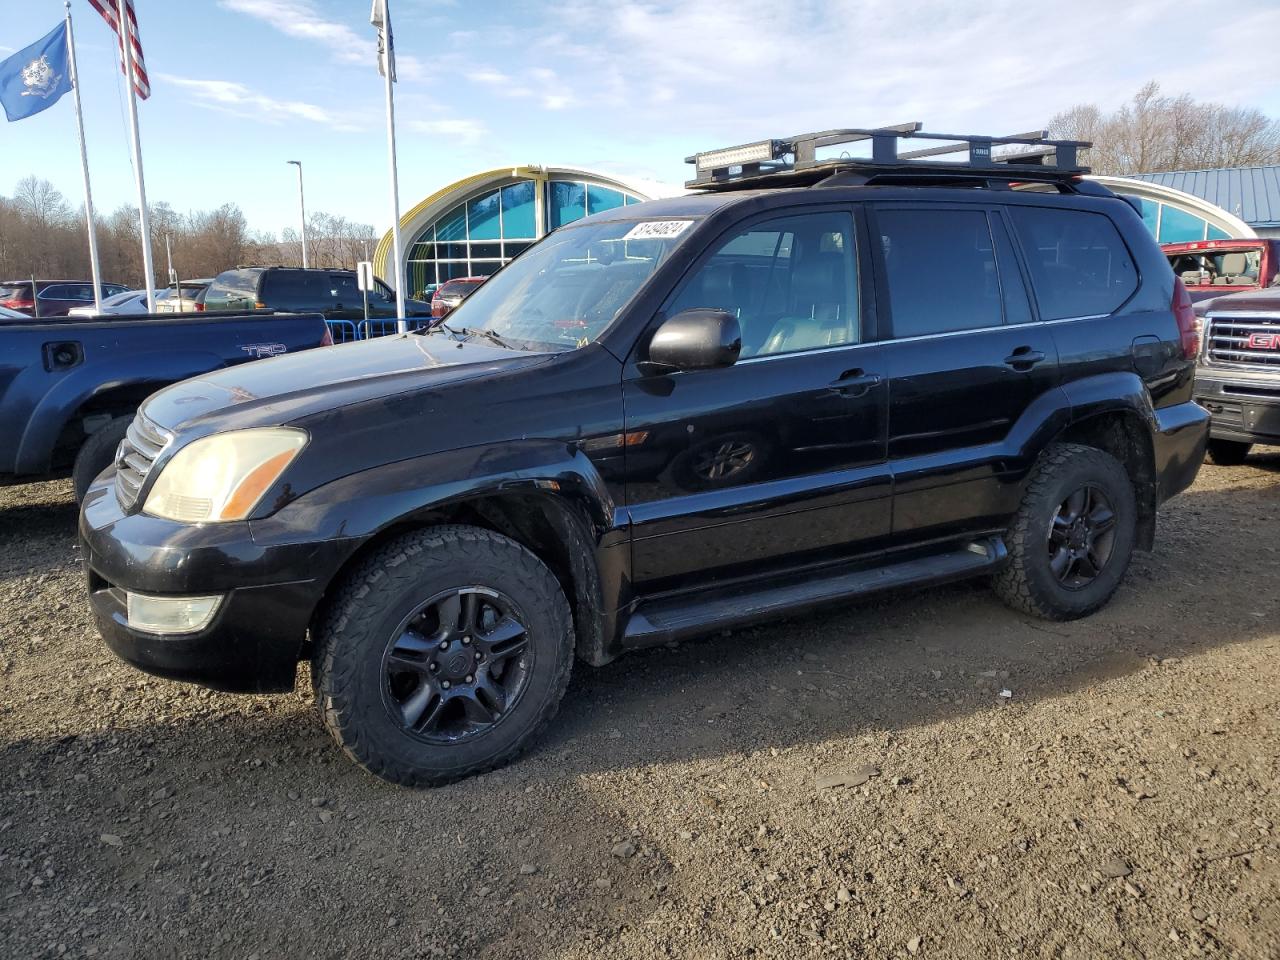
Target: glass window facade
point(477, 237)
point(1170, 224)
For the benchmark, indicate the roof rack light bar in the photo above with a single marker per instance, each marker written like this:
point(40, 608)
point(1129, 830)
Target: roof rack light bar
point(790, 157)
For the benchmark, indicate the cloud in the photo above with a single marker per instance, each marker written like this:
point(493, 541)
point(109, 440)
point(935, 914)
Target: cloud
point(303, 20)
point(232, 97)
point(464, 131)
point(760, 67)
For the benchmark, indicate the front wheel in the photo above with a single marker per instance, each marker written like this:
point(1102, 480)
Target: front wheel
point(1072, 537)
point(1228, 453)
point(97, 453)
point(444, 655)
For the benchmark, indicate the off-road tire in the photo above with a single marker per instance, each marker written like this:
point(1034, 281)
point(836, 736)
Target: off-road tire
point(1026, 582)
point(97, 453)
point(1227, 453)
point(353, 631)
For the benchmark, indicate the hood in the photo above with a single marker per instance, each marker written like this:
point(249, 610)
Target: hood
point(1266, 300)
point(282, 389)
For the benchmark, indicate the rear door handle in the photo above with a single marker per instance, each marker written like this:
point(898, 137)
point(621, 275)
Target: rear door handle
point(1024, 358)
point(855, 382)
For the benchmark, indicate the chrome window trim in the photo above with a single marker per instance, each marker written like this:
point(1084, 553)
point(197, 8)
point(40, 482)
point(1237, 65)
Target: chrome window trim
point(923, 336)
point(804, 353)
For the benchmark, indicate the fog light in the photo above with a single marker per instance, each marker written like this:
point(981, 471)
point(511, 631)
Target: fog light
point(170, 614)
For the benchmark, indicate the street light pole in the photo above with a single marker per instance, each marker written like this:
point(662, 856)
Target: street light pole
point(302, 206)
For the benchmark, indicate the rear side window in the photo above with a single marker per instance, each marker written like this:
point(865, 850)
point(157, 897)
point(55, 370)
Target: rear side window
point(297, 290)
point(941, 270)
point(344, 289)
point(234, 285)
point(1080, 266)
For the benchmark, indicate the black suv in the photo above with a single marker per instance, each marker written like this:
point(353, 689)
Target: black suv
point(807, 381)
point(335, 293)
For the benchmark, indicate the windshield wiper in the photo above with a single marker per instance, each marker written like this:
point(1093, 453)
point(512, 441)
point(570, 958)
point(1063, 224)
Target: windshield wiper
point(438, 325)
point(488, 335)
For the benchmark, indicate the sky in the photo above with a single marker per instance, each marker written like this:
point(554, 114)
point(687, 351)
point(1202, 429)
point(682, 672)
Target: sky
point(628, 87)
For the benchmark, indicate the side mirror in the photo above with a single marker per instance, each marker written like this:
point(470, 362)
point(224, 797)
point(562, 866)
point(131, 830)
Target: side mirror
point(699, 339)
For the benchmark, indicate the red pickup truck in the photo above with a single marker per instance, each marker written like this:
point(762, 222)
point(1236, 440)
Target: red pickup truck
point(1215, 268)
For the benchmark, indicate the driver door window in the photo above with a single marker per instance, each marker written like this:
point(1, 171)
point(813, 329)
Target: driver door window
point(791, 282)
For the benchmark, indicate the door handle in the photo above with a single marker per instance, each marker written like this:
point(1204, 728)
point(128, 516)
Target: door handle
point(855, 383)
point(1024, 358)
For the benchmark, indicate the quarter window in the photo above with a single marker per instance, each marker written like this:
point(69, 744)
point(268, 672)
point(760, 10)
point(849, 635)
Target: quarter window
point(791, 282)
point(1080, 267)
point(941, 271)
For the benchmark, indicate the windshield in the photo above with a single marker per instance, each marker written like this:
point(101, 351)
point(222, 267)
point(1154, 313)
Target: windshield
point(565, 291)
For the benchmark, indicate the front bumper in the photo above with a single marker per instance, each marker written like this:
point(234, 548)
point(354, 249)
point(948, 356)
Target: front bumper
point(1244, 408)
point(270, 593)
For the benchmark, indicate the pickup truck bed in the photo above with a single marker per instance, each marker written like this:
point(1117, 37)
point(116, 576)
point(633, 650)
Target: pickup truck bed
point(62, 380)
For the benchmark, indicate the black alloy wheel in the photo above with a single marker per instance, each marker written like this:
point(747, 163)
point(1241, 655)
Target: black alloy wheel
point(457, 665)
point(1073, 535)
point(443, 654)
point(1081, 537)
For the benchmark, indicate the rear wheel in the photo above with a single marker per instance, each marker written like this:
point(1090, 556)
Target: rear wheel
point(1228, 453)
point(444, 655)
point(97, 453)
point(1072, 538)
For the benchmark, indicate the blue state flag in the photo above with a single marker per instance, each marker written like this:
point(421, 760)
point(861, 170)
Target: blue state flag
point(34, 78)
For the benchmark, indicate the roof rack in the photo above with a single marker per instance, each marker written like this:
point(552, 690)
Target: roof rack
point(794, 160)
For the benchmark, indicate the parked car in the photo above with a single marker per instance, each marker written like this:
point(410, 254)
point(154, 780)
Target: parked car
point(128, 303)
point(803, 383)
point(69, 387)
point(1238, 376)
point(182, 297)
point(451, 293)
point(335, 293)
point(54, 297)
point(1214, 268)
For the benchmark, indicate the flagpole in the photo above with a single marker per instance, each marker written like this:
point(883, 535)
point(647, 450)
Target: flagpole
point(84, 166)
point(144, 216)
point(388, 69)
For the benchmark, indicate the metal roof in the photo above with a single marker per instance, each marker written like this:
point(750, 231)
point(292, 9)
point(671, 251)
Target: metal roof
point(1251, 193)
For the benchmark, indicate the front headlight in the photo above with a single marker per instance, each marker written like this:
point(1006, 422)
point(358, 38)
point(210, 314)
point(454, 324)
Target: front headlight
point(222, 477)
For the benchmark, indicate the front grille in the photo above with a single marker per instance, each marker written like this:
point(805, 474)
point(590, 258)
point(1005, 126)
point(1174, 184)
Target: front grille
point(1228, 341)
point(134, 457)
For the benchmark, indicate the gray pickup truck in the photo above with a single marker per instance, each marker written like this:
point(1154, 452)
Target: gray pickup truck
point(1238, 373)
point(70, 387)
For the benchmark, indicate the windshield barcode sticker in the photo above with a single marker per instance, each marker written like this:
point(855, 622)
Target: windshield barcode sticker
point(658, 229)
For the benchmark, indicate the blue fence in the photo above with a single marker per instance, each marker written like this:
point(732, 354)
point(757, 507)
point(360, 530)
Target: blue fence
point(349, 331)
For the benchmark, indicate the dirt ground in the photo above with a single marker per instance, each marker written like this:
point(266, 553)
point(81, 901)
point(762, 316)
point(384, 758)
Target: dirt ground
point(1122, 802)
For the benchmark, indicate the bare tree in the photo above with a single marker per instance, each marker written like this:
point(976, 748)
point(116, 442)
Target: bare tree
point(1153, 132)
point(41, 235)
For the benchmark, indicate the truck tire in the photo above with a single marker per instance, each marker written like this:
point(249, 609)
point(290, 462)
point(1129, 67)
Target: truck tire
point(1228, 453)
point(444, 654)
point(97, 453)
point(1072, 537)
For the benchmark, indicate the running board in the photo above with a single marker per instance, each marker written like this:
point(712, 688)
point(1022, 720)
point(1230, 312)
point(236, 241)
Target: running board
point(662, 621)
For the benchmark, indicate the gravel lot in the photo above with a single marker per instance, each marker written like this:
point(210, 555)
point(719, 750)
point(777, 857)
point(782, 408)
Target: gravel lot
point(1121, 803)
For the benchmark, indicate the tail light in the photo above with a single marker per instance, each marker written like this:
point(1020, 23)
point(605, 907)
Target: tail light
point(1188, 322)
point(199, 307)
point(327, 339)
point(18, 303)
point(259, 305)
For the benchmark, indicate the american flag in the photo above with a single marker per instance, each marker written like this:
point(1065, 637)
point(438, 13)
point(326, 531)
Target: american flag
point(110, 13)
